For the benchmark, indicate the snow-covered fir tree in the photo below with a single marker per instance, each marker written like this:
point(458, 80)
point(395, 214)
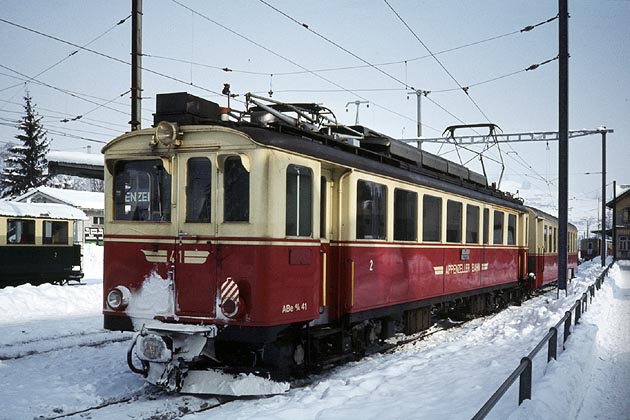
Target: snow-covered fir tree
point(25, 166)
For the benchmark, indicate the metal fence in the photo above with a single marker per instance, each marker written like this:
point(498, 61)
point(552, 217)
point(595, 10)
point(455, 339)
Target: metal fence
point(524, 370)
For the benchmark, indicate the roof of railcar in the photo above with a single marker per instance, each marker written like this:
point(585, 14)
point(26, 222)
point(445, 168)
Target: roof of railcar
point(40, 210)
point(545, 215)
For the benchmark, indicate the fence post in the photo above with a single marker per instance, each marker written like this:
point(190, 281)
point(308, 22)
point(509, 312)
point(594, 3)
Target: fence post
point(578, 311)
point(585, 302)
point(525, 381)
point(567, 327)
point(552, 350)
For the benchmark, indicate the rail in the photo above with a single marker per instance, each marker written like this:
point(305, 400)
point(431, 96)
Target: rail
point(523, 372)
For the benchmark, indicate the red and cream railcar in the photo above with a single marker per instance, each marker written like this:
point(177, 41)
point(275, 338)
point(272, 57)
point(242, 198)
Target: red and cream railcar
point(263, 244)
point(543, 248)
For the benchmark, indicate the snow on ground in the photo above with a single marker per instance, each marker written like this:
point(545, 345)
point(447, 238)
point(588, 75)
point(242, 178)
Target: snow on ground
point(55, 358)
point(592, 381)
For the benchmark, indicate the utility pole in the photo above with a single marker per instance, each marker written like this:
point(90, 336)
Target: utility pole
point(603, 245)
point(563, 149)
point(136, 64)
point(419, 94)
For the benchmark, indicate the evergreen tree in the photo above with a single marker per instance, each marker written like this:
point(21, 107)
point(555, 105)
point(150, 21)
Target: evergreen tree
point(25, 166)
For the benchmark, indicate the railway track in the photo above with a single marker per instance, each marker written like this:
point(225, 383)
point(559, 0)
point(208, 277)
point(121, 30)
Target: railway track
point(159, 405)
point(62, 342)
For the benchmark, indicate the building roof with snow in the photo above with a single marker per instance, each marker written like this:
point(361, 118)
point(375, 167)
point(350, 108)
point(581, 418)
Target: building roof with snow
point(85, 200)
point(40, 210)
point(86, 165)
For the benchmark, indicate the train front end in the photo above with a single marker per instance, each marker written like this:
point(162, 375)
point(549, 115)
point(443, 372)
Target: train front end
point(193, 263)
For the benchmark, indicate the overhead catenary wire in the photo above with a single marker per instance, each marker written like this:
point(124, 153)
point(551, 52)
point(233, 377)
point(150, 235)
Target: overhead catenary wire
point(231, 69)
point(118, 60)
point(436, 59)
point(288, 60)
point(120, 22)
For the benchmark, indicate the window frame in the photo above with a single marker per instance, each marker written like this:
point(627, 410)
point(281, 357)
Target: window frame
point(454, 216)
point(160, 182)
point(405, 228)
point(511, 226)
point(302, 212)
point(500, 223)
point(377, 209)
point(195, 199)
point(233, 187)
point(428, 222)
point(475, 218)
point(20, 240)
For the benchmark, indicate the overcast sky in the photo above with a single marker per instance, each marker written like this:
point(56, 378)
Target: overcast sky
point(382, 48)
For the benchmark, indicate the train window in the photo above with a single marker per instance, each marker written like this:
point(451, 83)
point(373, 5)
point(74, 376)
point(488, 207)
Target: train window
point(555, 239)
point(142, 191)
point(198, 184)
point(453, 221)
point(235, 190)
point(498, 227)
point(486, 225)
point(431, 219)
point(405, 215)
point(545, 238)
point(472, 224)
point(20, 231)
point(511, 239)
point(371, 206)
point(55, 232)
point(299, 212)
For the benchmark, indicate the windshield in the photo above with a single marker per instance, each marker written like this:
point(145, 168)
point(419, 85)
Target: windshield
point(142, 191)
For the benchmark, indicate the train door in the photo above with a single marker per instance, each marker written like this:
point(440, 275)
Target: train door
point(195, 261)
point(326, 233)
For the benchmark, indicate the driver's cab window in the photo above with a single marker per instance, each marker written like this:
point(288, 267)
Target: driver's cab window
point(198, 185)
point(235, 190)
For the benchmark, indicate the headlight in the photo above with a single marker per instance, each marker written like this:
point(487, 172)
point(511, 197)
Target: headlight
point(152, 348)
point(118, 298)
point(167, 133)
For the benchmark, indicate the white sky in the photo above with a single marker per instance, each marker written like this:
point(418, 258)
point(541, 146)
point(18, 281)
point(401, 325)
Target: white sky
point(85, 83)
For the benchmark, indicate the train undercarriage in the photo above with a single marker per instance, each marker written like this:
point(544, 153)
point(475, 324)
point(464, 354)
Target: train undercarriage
point(233, 360)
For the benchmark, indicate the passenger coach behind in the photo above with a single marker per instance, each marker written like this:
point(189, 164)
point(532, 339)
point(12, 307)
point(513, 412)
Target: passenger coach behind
point(37, 243)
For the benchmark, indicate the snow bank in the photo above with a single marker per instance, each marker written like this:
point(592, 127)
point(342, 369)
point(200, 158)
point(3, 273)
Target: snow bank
point(573, 388)
point(47, 301)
